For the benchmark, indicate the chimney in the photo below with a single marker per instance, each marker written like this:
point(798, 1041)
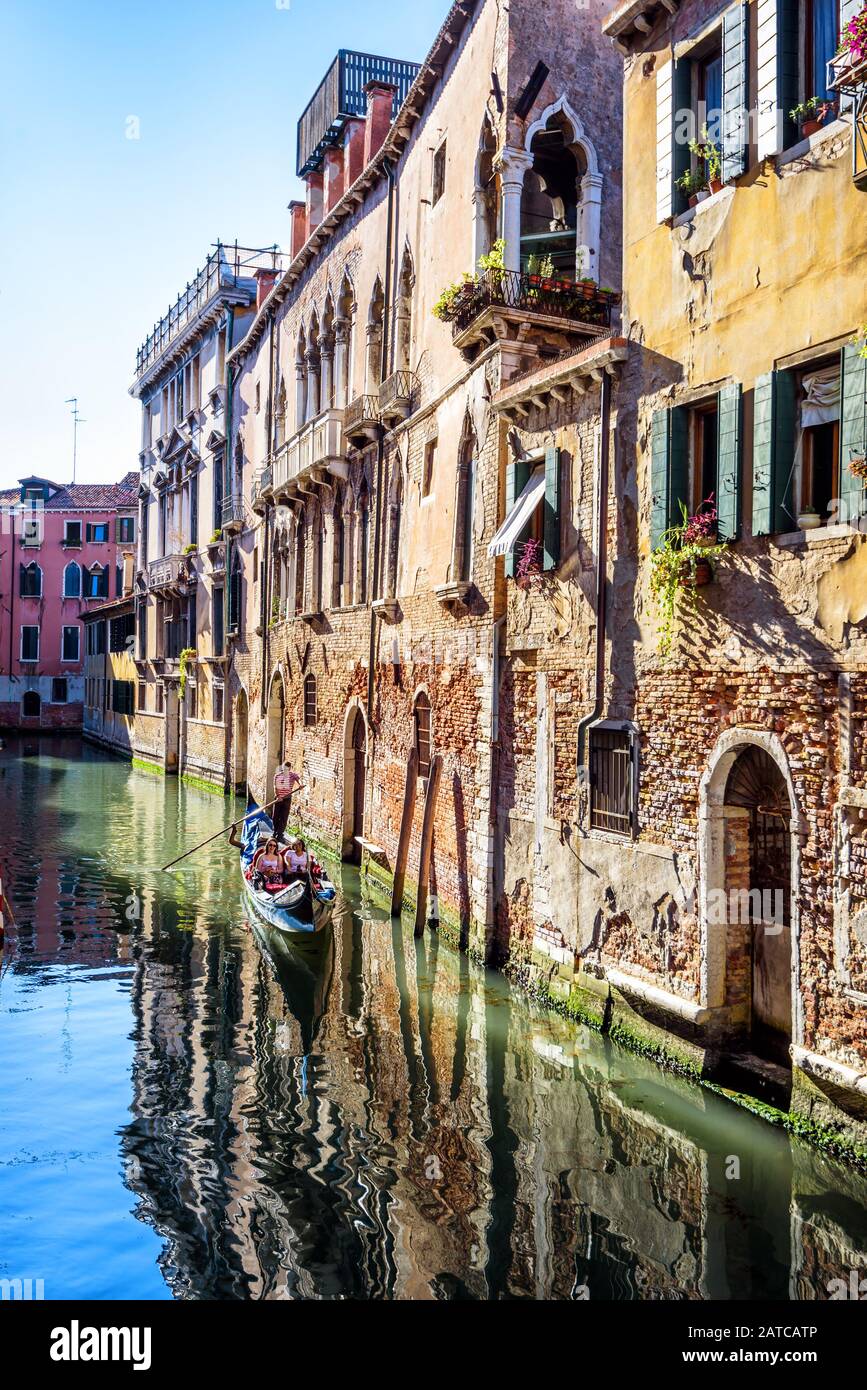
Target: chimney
point(314, 184)
point(298, 213)
point(265, 282)
point(334, 186)
point(353, 149)
point(380, 102)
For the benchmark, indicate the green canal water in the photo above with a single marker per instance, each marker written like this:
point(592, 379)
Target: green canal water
point(185, 1112)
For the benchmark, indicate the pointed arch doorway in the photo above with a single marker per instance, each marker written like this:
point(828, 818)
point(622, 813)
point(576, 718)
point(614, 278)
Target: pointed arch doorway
point(354, 784)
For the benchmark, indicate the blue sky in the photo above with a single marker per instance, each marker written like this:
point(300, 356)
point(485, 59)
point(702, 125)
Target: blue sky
point(99, 231)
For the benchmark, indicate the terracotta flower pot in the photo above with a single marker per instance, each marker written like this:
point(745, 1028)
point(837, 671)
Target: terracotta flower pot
point(696, 574)
point(810, 127)
point(715, 185)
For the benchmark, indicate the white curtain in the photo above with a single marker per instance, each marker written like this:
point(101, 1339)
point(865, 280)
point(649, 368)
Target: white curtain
point(821, 403)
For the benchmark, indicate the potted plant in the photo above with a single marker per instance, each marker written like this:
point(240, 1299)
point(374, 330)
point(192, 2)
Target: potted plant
point(858, 466)
point(709, 156)
point(811, 114)
point(448, 305)
point(809, 519)
point(853, 42)
point(692, 187)
point(681, 564)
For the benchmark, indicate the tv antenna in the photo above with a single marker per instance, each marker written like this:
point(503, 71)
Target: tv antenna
point(76, 421)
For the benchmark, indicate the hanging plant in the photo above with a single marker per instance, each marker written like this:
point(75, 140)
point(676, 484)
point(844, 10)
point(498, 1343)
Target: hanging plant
point(187, 655)
point(529, 573)
point(681, 564)
point(853, 41)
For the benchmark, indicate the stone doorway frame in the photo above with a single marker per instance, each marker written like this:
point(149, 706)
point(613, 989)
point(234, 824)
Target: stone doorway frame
point(354, 712)
point(712, 864)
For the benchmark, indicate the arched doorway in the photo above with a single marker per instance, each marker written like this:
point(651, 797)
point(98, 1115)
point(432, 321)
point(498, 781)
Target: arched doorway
point(549, 206)
point(240, 735)
point(759, 884)
point(276, 732)
point(31, 704)
point(354, 784)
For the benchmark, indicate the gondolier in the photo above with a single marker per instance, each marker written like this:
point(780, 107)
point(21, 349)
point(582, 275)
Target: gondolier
point(286, 784)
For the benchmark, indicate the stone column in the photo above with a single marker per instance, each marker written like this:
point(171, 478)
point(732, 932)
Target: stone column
point(326, 389)
point(374, 357)
point(513, 166)
point(312, 409)
point(300, 394)
point(341, 362)
point(590, 227)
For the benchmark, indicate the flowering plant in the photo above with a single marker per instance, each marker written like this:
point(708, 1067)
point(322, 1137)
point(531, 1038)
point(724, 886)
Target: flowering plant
point(853, 42)
point(674, 562)
point(528, 571)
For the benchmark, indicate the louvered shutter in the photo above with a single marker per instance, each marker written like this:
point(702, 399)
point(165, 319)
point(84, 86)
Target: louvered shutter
point(774, 420)
point(517, 477)
point(777, 85)
point(735, 91)
point(853, 430)
point(659, 480)
point(664, 142)
point(681, 131)
point(729, 462)
point(552, 510)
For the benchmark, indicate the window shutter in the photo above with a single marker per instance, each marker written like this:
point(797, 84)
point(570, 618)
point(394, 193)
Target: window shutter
point(660, 437)
point(118, 530)
point(774, 418)
point(853, 430)
point(681, 160)
point(777, 88)
point(664, 142)
point(88, 531)
point(735, 45)
point(552, 509)
point(678, 465)
point(729, 462)
point(517, 477)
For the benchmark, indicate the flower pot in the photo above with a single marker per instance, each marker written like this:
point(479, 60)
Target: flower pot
point(808, 521)
point(535, 279)
point(810, 127)
point(588, 290)
point(695, 574)
point(715, 185)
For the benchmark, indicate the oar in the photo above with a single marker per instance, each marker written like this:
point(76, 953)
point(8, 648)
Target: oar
point(220, 833)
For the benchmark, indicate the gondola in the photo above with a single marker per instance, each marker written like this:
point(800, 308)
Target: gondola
point(302, 909)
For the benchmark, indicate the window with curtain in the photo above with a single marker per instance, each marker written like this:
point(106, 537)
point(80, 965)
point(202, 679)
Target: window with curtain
point(820, 29)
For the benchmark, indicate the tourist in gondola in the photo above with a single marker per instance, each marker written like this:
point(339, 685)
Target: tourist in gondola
point(297, 860)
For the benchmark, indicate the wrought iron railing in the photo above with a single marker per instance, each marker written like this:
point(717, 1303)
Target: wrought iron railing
point(361, 415)
point(399, 394)
point(513, 289)
point(849, 79)
point(170, 571)
point(233, 511)
point(261, 483)
point(341, 95)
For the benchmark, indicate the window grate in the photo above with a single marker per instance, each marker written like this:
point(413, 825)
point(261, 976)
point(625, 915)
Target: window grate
point(611, 781)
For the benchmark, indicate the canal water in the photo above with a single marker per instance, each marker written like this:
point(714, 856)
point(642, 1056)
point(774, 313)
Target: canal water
point(187, 1112)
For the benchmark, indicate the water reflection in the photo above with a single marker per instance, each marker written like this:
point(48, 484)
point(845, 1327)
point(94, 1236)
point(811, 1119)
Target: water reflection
point(377, 1117)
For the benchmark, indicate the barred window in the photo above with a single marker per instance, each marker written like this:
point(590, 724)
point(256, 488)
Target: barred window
point(611, 780)
point(310, 711)
point(422, 716)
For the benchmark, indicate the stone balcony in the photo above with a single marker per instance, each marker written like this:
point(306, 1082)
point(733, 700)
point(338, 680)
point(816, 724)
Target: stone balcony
point(172, 574)
point(362, 421)
point(398, 397)
point(551, 382)
point(529, 315)
point(233, 513)
point(317, 447)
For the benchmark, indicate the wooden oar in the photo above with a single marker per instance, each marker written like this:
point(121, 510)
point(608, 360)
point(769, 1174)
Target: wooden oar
point(220, 833)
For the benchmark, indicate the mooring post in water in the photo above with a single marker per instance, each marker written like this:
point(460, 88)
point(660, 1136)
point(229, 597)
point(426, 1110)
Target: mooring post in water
point(427, 829)
point(405, 832)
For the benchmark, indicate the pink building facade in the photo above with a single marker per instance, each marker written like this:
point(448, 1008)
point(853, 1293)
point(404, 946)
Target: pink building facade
point(63, 551)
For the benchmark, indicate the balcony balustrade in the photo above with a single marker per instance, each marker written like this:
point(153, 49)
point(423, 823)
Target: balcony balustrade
point(318, 445)
point(506, 304)
point(173, 573)
point(233, 513)
point(362, 421)
point(398, 397)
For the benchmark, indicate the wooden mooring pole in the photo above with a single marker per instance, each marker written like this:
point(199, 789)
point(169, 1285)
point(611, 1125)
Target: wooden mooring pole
point(403, 843)
point(427, 829)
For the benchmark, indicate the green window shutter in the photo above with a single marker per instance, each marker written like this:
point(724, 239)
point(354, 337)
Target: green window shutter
point(763, 454)
point(552, 509)
point(682, 107)
point(517, 477)
point(853, 430)
point(729, 463)
point(788, 66)
point(678, 464)
point(774, 422)
point(735, 46)
point(659, 449)
point(786, 507)
point(88, 531)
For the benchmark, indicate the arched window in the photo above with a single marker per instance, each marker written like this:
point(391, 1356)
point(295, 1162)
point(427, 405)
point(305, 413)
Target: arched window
point(310, 712)
point(403, 315)
point(280, 419)
point(313, 369)
point(31, 704)
point(300, 562)
point(339, 564)
point(72, 580)
point(343, 342)
point(364, 547)
point(30, 581)
point(395, 511)
point(318, 562)
point(465, 509)
point(549, 206)
point(485, 193)
point(300, 380)
point(374, 337)
point(97, 582)
point(422, 721)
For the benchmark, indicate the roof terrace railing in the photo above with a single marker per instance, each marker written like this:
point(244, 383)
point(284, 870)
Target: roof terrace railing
point(340, 95)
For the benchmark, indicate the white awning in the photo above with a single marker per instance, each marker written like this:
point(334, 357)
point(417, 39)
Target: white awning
point(821, 403)
point(506, 538)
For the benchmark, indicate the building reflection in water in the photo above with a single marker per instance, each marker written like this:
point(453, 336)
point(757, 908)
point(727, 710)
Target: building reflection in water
point(383, 1118)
